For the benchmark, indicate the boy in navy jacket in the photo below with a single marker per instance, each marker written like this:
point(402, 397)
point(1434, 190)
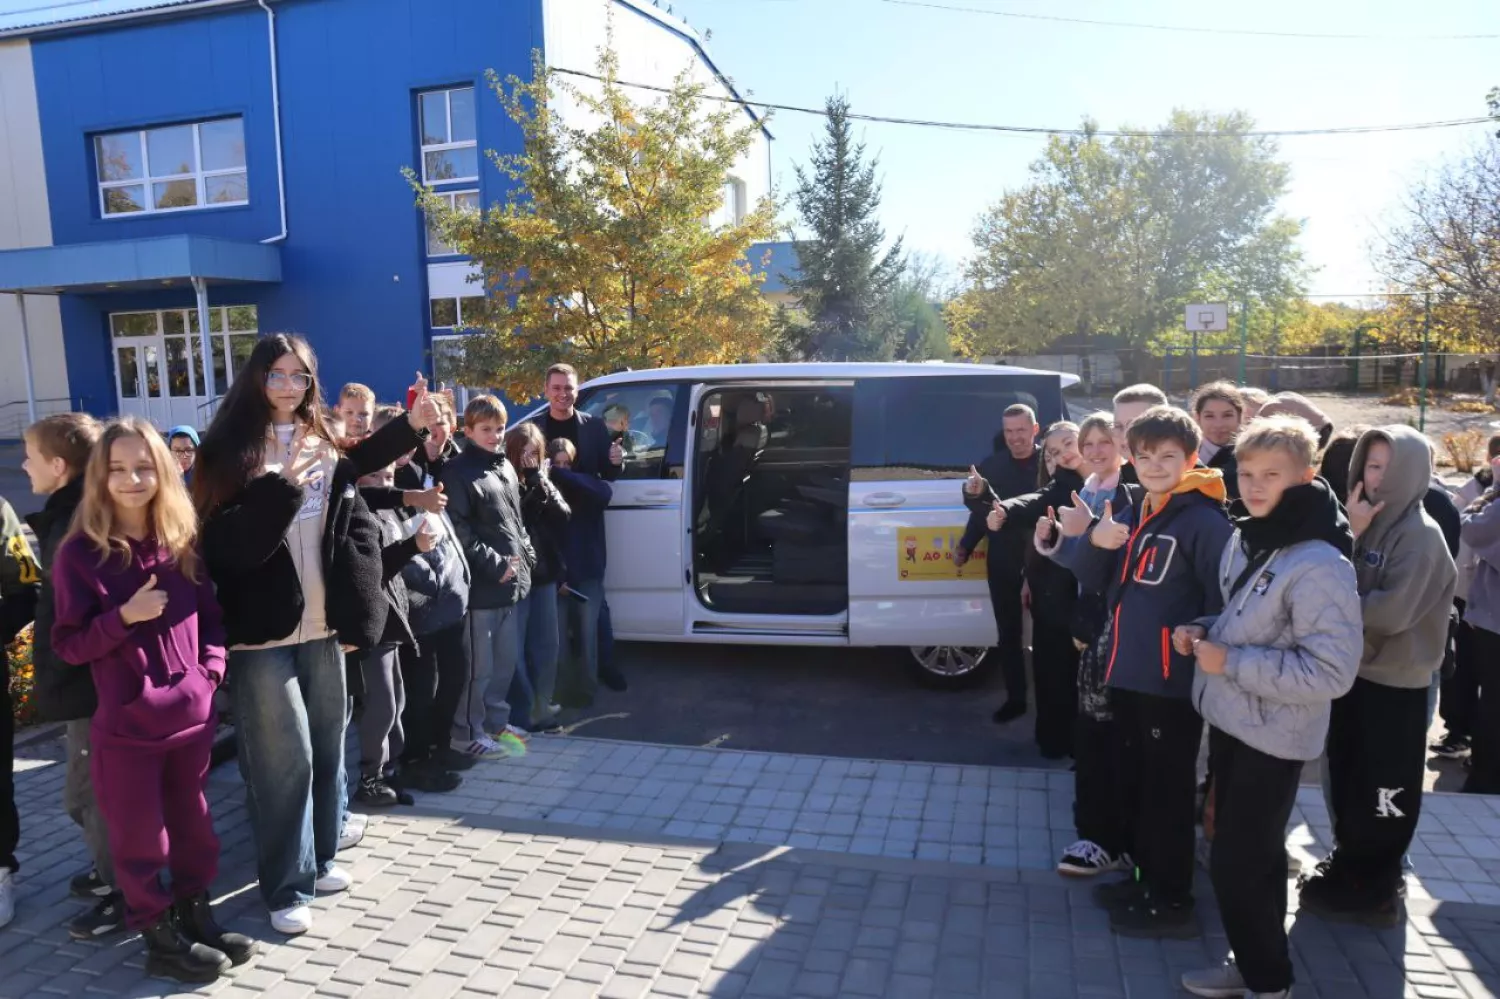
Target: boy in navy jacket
point(1161, 574)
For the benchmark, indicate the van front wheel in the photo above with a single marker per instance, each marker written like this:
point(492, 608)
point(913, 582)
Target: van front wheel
point(951, 666)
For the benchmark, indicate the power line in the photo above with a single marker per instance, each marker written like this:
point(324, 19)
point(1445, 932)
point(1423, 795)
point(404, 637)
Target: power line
point(1190, 29)
point(960, 126)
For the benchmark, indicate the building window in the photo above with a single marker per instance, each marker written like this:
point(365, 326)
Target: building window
point(456, 313)
point(732, 206)
point(449, 150)
point(152, 349)
point(467, 201)
point(172, 169)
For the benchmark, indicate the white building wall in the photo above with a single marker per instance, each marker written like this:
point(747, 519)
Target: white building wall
point(24, 222)
point(652, 50)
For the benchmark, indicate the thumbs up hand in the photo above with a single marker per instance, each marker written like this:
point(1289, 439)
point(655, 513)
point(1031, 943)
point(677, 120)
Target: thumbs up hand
point(996, 518)
point(432, 500)
point(1108, 534)
point(1046, 531)
point(1075, 519)
point(147, 604)
point(974, 484)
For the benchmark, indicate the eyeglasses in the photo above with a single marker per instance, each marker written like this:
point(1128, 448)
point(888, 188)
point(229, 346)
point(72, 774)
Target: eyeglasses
point(280, 379)
point(185, 451)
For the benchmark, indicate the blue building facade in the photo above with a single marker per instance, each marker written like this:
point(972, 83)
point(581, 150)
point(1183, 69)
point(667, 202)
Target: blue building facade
point(280, 125)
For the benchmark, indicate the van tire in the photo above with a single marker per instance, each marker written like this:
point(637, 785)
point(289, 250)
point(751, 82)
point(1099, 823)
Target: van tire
point(949, 667)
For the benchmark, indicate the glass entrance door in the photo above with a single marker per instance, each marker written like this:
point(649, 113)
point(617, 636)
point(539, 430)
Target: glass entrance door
point(158, 359)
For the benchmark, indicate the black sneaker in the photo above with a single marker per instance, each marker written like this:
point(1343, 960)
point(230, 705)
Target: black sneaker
point(1452, 749)
point(427, 776)
point(376, 793)
point(104, 919)
point(614, 680)
point(1118, 894)
point(88, 885)
point(451, 759)
point(1147, 918)
point(1086, 858)
point(1330, 895)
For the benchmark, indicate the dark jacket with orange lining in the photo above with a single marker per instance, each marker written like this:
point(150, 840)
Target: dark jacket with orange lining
point(1166, 575)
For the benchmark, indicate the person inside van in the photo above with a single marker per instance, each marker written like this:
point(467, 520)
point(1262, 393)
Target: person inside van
point(1010, 471)
point(660, 417)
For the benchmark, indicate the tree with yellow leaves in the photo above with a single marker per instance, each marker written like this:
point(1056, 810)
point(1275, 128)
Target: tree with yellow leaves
point(604, 254)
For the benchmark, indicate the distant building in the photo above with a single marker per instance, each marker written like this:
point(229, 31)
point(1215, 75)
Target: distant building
point(167, 160)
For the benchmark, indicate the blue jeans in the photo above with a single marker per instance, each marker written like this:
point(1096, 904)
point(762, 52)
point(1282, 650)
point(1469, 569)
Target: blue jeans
point(483, 709)
point(289, 705)
point(535, 685)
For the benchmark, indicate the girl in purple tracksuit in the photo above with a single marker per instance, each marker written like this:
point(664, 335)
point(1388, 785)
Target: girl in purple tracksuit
point(134, 604)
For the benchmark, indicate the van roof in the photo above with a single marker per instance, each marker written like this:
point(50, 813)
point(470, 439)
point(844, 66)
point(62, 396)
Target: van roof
point(821, 369)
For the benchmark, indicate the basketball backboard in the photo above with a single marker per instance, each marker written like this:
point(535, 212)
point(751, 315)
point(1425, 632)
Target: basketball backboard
point(1208, 317)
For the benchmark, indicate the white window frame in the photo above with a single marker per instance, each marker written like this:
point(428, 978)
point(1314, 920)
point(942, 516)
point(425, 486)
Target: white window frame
point(189, 317)
point(147, 181)
point(443, 147)
point(450, 197)
point(458, 312)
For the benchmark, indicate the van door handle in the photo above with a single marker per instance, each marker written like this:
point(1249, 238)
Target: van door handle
point(656, 496)
point(884, 499)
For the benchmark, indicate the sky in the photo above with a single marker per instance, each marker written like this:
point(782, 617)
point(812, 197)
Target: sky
point(914, 61)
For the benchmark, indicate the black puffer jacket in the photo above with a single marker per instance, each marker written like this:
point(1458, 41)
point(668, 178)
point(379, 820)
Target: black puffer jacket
point(63, 691)
point(395, 552)
point(484, 503)
point(245, 548)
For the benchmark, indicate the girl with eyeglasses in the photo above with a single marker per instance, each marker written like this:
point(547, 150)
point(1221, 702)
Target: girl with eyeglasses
point(295, 556)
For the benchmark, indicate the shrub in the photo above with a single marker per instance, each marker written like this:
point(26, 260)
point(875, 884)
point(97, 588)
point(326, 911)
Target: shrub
point(22, 693)
point(1467, 449)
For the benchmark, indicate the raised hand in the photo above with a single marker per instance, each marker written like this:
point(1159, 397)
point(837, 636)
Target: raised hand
point(1075, 520)
point(147, 604)
point(974, 484)
point(1109, 534)
point(1184, 635)
point(1046, 530)
point(424, 411)
point(432, 500)
point(1361, 511)
point(996, 517)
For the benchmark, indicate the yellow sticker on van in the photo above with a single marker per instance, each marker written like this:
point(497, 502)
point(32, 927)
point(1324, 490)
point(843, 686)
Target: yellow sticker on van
point(925, 554)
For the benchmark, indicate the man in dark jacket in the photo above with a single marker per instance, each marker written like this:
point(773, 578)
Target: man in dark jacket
point(1010, 471)
point(597, 453)
point(57, 451)
point(484, 503)
point(19, 577)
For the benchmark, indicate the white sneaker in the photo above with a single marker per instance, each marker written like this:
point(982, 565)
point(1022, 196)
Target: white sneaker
point(297, 919)
point(7, 896)
point(1086, 858)
point(336, 880)
point(1223, 982)
point(518, 732)
point(353, 831)
point(482, 748)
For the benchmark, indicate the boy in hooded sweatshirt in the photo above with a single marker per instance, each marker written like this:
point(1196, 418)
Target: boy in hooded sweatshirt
point(1160, 574)
point(1285, 645)
point(1377, 733)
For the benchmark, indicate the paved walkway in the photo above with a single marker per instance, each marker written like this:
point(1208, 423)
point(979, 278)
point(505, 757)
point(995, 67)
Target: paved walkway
point(618, 870)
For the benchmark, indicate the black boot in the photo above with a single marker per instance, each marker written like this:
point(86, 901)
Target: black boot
point(195, 916)
point(171, 955)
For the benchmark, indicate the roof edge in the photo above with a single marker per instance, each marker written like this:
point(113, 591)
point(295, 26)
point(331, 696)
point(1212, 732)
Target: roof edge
point(167, 8)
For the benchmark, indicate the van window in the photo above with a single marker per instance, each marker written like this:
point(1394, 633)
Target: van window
point(921, 427)
point(650, 420)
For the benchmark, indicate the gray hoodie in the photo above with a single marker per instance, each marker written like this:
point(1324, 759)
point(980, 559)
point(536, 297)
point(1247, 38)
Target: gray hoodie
point(1406, 576)
point(1481, 532)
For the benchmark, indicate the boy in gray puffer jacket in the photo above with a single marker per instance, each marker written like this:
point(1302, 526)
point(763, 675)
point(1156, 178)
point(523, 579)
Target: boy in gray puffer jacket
point(1377, 737)
point(1268, 668)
